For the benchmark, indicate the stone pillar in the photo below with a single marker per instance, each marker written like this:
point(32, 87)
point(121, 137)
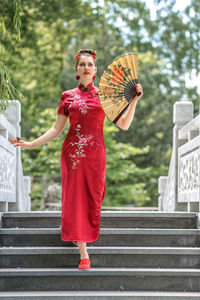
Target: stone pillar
point(162, 184)
point(13, 115)
point(7, 164)
point(27, 188)
point(182, 114)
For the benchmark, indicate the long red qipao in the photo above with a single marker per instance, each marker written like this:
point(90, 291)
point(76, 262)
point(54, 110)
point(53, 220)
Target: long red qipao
point(83, 164)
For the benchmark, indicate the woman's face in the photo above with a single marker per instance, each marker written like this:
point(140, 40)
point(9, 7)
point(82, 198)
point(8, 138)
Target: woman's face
point(86, 68)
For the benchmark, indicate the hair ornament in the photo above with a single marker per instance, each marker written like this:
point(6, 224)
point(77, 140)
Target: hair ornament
point(78, 54)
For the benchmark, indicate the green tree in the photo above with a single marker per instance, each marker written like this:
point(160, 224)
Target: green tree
point(41, 65)
point(10, 22)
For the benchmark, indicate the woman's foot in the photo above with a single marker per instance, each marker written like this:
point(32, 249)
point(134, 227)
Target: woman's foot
point(85, 261)
point(84, 264)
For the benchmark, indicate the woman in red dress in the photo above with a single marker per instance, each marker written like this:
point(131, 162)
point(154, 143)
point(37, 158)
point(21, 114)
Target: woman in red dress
point(83, 155)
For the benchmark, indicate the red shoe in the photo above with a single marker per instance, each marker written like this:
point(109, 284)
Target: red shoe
point(84, 264)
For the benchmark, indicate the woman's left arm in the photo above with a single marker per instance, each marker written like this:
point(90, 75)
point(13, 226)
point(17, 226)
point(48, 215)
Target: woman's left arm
point(125, 121)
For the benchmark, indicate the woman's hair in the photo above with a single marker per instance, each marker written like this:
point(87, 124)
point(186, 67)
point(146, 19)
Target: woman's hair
point(87, 52)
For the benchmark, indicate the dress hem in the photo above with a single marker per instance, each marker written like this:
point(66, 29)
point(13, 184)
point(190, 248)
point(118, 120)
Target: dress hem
point(75, 240)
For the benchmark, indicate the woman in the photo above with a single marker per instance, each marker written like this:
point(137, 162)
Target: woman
point(83, 155)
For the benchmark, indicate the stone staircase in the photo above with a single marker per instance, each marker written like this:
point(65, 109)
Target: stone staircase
point(139, 255)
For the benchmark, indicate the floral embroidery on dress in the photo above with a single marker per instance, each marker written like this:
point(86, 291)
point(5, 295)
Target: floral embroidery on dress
point(81, 103)
point(79, 150)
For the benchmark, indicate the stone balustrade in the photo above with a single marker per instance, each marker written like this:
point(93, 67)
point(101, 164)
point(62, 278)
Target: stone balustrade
point(180, 190)
point(14, 187)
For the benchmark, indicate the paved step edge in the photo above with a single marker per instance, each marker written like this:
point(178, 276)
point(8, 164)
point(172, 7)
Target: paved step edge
point(156, 231)
point(138, 214)
point(17, 272)
point(100, 294)
point(100, 250)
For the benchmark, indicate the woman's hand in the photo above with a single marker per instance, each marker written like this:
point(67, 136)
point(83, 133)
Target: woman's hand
point(125, 121)
point(19, 142)
point(138, 90)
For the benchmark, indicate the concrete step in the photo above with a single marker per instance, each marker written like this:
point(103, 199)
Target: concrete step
point(110, 295)
point(100, 279)
point(112, 257)
point(138, 237)
point(110, 219)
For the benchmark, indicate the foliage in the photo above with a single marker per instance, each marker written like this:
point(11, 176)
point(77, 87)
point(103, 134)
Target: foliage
point(122, 174)
point(10, 20)
point(43, 161)
point(38, 60)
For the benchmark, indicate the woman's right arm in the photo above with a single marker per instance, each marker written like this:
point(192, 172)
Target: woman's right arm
point(51, 134)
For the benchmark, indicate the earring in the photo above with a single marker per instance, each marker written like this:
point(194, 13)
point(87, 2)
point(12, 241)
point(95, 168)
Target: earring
point(78, 77)
point(94, 77)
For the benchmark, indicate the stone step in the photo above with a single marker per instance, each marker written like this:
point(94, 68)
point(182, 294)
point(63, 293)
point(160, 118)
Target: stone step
point(110, 219)
point(110, 295)
point(98, 279)
point(112, 257)
point(138, 237)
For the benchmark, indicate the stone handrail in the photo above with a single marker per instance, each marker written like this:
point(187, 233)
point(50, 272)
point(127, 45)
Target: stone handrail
point(180, 190)
point(14, 187)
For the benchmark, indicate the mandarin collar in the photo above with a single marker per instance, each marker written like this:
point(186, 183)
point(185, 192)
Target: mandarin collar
point(84, 88)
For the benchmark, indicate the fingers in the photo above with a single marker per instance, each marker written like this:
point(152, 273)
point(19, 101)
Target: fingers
point(13, 141)
point(20, 143)
point(138, 88)
point(17, 142)
point(139, 91)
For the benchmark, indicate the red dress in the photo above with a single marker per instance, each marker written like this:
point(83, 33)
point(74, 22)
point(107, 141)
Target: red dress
point(83, 164)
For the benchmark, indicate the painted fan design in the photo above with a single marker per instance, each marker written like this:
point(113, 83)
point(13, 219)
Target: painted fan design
point(116, 87)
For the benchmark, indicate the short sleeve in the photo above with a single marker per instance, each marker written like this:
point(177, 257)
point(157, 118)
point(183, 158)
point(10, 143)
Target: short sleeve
point(63, 107)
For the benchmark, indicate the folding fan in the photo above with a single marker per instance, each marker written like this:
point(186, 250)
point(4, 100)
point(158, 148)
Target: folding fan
point(117, 84)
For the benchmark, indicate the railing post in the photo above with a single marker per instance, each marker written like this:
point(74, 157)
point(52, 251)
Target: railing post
point(162, 184)
point(12, 116)
point(7, 164)
point(182, 114)
point(27, 187)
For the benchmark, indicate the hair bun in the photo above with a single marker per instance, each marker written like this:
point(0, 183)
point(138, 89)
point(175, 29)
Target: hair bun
point(89, 51)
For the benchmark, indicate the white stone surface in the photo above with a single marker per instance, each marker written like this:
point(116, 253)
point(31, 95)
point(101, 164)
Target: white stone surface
point(183, 184)
point(189, 171)
point(183, 112)
point(14, 193)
